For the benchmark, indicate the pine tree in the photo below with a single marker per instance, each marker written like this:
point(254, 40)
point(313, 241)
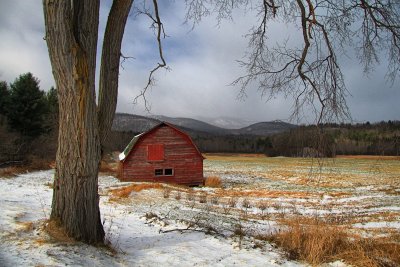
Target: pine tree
point(4, 98)
point(27, 107)
point(52, 100)
point(52, 106)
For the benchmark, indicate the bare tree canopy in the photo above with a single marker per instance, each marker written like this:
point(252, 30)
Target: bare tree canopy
point(309, 70)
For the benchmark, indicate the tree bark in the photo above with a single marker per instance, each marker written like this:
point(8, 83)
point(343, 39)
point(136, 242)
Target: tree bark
point(110, 58)
point(71, 35)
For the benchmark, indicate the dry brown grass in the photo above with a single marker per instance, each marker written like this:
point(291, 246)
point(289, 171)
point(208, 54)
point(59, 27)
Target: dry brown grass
point(41, 241)
point(372, 157)
point(108, 168)
point(317, 242)
point(25, 226)
point(37, 164)
point(213, 181)
point(34, 164)
point(124, 192)
point(10, 171)
point(119, 170)
point(57, 232)
point(264, 193)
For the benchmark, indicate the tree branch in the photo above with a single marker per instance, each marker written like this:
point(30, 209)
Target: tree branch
point(110, 63)
point(158, 25)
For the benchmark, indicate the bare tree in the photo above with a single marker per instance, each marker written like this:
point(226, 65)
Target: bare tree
point(71, 36)
point(310, 72)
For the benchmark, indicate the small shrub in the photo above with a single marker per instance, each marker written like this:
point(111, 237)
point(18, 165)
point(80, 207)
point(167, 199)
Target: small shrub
point(178, 195)
point(166, 192)
point(246, 203)
point(203, 198)
point(262, 205)
point(214, 200)
point(238, 230)
point(277, 206)
point(213, 181)
point(232, 202)
point(225, 207)
point(190, 196)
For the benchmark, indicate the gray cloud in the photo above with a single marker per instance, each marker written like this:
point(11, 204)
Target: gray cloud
point(203, 64)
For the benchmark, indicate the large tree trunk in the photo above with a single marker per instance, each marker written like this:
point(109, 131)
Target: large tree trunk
point(71, 35)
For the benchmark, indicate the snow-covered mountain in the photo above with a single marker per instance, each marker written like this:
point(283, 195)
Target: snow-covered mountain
point(227, 122)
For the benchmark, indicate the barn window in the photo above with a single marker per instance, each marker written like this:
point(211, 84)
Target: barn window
point(155, 152)
point(168, 172)
point(164, 172)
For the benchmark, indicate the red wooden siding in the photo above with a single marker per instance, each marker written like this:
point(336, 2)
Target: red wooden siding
point(164, 148)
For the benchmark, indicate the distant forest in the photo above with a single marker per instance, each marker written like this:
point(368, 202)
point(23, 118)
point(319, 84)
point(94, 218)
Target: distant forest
point(29, 129)
point(381, 138)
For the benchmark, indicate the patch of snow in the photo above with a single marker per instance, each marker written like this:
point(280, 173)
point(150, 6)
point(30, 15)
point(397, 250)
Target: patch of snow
point(378, 225)
point(358, 198)
point(138, 241)
point(121, 156)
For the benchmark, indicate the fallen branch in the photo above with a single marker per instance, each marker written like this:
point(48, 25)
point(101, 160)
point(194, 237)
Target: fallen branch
point(182, 230)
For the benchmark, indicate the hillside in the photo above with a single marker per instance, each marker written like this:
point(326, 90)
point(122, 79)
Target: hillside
point(266, 128)
point(132, 123)
point(192, 124)
point(274, 138)
point(136, 123)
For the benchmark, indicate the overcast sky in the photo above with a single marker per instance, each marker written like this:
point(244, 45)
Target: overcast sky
point(202, 61)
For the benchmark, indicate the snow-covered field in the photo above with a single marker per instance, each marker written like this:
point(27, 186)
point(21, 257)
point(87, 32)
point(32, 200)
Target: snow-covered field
point(177, 226)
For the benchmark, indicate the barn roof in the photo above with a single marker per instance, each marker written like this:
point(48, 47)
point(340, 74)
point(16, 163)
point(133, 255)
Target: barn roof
point(140, 136)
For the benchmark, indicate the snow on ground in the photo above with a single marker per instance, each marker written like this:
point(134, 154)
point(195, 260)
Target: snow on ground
point(25, 203)
point(149, 229)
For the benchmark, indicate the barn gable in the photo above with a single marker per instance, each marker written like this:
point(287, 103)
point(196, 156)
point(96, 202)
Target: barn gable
point(140, 136)
point(162, 154)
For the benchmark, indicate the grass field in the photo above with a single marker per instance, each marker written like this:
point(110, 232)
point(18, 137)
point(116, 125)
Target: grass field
point(300, 204)
point(361, 190)
point(259, 211)
point(356, 198)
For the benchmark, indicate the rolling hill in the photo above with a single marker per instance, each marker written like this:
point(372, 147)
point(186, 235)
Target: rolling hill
point(136, 123)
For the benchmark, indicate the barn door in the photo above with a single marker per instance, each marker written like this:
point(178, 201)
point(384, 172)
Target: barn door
point(155, 152)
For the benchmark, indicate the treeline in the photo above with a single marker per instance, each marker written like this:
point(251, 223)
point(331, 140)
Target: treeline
point(28, 121)
point(328, 140)
point(29, 129)
point(381, 138)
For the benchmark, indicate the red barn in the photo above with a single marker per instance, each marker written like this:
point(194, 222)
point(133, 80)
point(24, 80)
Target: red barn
point(162, 154)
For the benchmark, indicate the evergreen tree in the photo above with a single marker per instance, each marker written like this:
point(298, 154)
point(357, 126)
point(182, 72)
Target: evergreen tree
point(4, 98)
point(52, 106)
point(27, 106)
point(52, 100)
